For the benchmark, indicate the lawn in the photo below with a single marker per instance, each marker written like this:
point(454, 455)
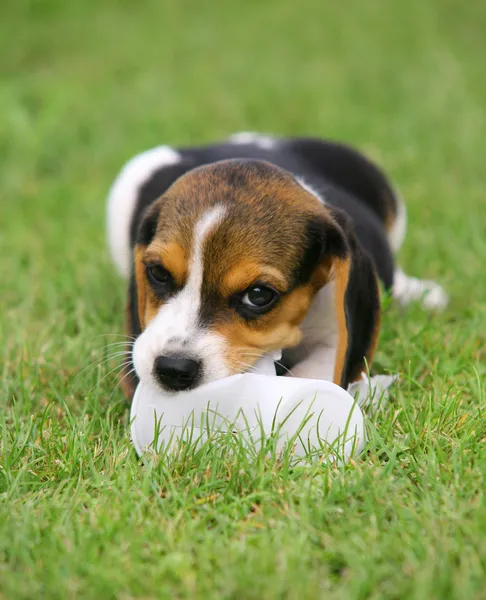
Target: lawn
point(87, 84)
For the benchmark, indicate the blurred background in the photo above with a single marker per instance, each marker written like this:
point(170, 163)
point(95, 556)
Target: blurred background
point(88, 83)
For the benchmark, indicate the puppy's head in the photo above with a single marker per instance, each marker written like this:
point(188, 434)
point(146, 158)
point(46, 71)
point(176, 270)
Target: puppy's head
point(226, 265)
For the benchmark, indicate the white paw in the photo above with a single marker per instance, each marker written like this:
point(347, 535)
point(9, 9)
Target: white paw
point(410, 289)
point(372, 392)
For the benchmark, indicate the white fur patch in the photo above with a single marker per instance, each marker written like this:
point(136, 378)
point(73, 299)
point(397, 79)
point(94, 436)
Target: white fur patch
point(175, 328)
point(410, 289)
point(315, 356)
point(396, 235)
point(257, 139)
point(372, 393)
point(122, 199)
point(310, 189)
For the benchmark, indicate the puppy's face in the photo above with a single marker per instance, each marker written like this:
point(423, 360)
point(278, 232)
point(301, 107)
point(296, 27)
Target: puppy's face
point(227, 263)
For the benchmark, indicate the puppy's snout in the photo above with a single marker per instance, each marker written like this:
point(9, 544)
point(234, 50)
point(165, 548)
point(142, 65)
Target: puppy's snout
point(176, 372)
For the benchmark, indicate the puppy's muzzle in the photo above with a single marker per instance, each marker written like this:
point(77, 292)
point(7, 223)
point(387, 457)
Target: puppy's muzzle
point(177, 373)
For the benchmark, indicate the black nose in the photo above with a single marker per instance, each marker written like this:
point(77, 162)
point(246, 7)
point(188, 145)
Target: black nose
point(176, 373)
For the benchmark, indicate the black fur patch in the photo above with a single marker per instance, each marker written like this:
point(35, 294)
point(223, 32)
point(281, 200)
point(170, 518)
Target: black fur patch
point(150, 191)
point(321, 237)
point(351, 171)
point(148, 226)
point(362, 300)
point(368, 231)
point(135, 328)
point(212, 307)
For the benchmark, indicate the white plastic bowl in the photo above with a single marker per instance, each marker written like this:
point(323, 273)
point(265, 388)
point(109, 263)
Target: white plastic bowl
point(321, 414)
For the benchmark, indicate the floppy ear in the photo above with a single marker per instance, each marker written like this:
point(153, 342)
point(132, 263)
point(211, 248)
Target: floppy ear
point(341, 261)
point(144, 235)
point(137, 295)
point(140, 291)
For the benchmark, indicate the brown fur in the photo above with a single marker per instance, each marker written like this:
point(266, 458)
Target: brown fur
point(341, 276)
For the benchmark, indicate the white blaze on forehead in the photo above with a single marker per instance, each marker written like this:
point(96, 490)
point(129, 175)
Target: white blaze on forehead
point(204, 227)
point(175, 328)
point(178, 318)
point(123, 197)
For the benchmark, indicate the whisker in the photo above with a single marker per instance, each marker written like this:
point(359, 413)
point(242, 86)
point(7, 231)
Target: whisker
point(249, 368)
point(120, 345)
point(120, 380)
point(123, 335)
point(128, 342)
point(118, 368)
point(285, 368)
point(270, 359)
point(88, 369)
point(104, 348)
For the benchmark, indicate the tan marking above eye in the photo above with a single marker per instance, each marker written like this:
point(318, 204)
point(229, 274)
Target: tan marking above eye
point(172, 257)
point(246, 272)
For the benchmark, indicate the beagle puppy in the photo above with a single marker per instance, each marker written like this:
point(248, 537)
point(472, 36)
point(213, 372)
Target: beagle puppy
point(235, 249)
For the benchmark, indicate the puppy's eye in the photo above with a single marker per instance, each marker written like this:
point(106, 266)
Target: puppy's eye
point(159, 277)
point(259, 296)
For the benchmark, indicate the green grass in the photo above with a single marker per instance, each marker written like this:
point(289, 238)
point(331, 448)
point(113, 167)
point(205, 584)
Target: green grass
point(87, 84)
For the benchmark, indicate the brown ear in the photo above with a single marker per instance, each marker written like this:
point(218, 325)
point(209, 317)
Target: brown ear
point(343, 262)
point(357, 305)
point(340, 276)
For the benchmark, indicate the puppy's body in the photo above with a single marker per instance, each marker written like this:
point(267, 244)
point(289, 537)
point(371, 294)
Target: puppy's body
point(307, 225)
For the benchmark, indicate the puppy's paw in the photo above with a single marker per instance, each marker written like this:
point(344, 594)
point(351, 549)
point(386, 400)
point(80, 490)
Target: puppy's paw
point(410, 289)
